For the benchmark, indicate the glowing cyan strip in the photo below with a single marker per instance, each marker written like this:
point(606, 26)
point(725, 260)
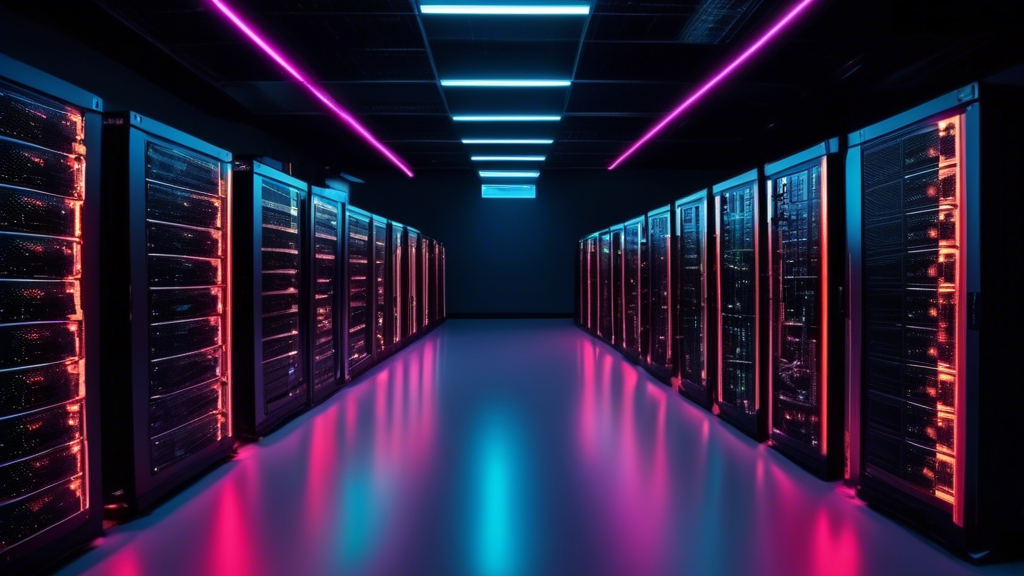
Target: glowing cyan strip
point(507, 158)
point(506, 83)
point(714, 81)
point(509, 174)
point(508, 191)
point(506, 118)
point(573, 10)
point(341, 112)
point(500, 141)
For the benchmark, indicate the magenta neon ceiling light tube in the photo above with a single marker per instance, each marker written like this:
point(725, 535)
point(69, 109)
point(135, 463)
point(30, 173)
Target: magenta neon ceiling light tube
point(322, 96)
point(774, 31)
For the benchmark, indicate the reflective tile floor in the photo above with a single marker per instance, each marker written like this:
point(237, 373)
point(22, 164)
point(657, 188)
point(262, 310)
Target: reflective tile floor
point(513, 447)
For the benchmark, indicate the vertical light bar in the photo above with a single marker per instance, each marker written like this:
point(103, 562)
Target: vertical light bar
point(753, 49)
point(340, 111)
point(825, 325)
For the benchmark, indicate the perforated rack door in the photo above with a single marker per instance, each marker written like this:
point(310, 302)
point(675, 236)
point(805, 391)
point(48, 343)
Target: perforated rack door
point(359, 294)
point(797, 314)
point(42, 356)
point(738, 295)
point(186, 252)
point(692, 321)
point(380, 287)
point(659, 242)
point(326, 222)
point(396, 285)
point(912, 281)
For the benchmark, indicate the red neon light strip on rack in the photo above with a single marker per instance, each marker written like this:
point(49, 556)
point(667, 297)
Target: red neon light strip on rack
point(713, 82)
point(340, 111)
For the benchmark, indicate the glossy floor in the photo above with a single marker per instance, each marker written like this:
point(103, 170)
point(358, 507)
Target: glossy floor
point(513, 447)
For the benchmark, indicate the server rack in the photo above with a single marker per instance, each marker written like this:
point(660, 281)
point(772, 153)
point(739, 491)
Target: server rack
point(359, 296)
point(936, 419)
point(271, 311)
point(593, 281)
point(694, 281)
point(424, 282)
point(396, 285)
point(604, 279)
point(634, 295)
point(442, 285)
point(741, 303)
point(50, 492)
point(435, 269)
point(326, 246)
point(660, 356)
point(581, 283)
point(412, 241)
point(167, 365)
point(381, 341)
point(617, 279)
point(807, 248)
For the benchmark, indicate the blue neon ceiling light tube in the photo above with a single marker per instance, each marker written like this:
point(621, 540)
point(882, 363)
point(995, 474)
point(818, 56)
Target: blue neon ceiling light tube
point(508, 10)
point(505, 83)
point(509, 173)
point(505, 141)
point(507, 158)
point(505, 118)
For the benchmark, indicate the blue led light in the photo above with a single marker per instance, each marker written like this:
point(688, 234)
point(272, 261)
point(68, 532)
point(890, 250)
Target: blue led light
point(504, 141)
point(508, 191)
point(504, 118)
point(517, 10)
point(509, 173)
point(507, 158)
point(505, 83)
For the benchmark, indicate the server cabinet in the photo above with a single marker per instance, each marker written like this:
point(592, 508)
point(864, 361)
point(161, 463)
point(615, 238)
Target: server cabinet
point(593, 281)
point(270, 308)
point(397, 330)
point(581, 283)
point(358, 278)
point(412, 242)
point(326, 246)
point(381, 341)
point(634, 295)
point(604, 291)
point(442, 298)
point(930, 221)
point(435, 270)
point(617, 280)
point(695, 334)
point(807, 248)
point(50, 494)
point(741, 303)
point(660, 356)
point(424, 282)
point(167, 270)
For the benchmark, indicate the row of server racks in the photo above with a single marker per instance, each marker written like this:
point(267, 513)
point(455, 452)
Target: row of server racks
point(174, 297)
point(830, 303)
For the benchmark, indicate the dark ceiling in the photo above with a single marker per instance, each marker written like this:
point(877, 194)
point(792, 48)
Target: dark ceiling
point(842, 65)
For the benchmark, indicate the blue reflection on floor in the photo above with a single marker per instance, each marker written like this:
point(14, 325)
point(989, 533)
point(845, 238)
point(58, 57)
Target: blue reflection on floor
point(513, 447)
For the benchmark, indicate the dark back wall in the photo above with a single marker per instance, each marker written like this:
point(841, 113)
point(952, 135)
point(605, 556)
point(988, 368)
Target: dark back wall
point(517, 256)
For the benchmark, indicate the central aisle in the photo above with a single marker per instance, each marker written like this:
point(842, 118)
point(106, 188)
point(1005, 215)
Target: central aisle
point(512, 447)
